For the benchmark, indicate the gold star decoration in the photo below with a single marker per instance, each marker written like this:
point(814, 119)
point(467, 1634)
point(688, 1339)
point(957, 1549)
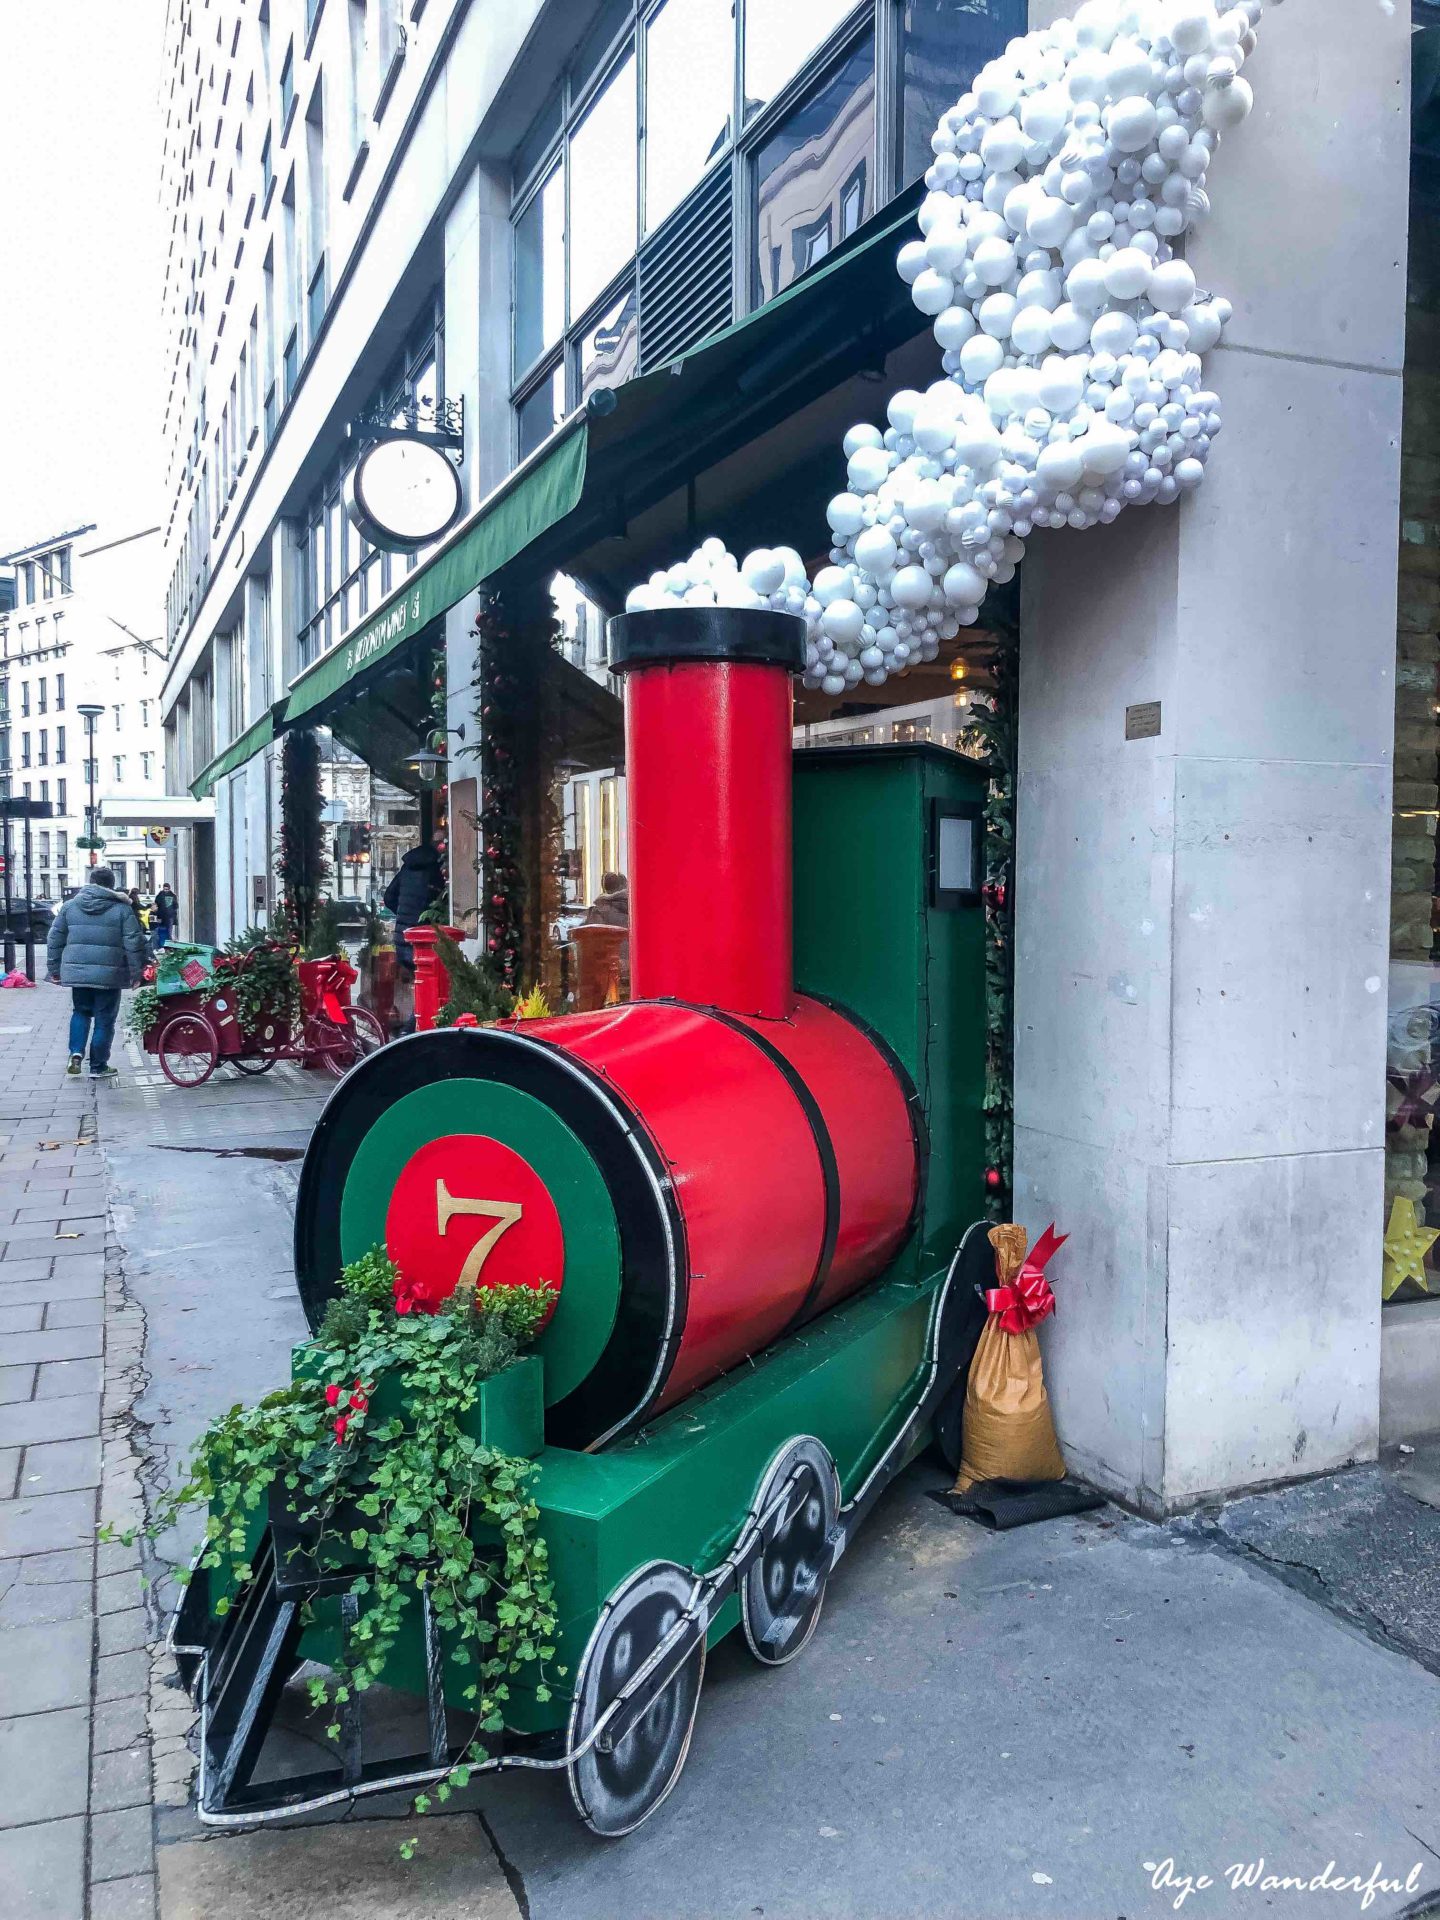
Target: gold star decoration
point(1406, 1245)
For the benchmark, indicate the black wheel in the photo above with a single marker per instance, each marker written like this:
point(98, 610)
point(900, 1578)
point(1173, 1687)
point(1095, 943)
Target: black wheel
point(614, 1791)
point(188, 1049)
point(784, 1589)
point(266, 1045)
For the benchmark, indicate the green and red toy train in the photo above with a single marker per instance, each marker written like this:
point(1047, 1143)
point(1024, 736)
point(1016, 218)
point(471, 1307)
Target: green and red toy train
point(771, 1156)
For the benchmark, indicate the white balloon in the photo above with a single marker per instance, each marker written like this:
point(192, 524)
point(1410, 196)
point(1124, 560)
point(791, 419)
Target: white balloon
point(932, 292)
point(868, 469)
point(980, 357)
point(954, 327)
point(1127, 273)
point(841, 622)
point(1030, 330)
point(875, 551)
point(1226, 107)
point(911, 587)
point(1172, 286)
point(846, 514)
point(1132, 123)
point(859, 436)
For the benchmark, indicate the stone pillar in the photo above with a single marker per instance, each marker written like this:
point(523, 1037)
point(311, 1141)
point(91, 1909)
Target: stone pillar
point(1202, 917)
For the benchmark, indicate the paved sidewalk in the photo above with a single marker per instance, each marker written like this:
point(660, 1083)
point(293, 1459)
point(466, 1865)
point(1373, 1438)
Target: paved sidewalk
point(76, 1839)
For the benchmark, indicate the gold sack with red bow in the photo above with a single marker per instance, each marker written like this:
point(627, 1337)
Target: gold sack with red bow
point(1009, 1433)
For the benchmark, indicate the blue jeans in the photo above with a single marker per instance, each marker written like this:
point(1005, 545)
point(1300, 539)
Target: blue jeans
point(100, 1004)
point(161, 934)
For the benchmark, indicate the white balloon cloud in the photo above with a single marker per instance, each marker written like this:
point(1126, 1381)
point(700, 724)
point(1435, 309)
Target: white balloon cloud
point(1071, 337)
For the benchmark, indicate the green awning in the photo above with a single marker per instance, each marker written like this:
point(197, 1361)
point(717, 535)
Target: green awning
point(516, 514)
point(739, 399)
point(236, 754)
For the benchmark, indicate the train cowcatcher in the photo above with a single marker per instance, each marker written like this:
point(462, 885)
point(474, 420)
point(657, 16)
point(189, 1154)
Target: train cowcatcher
point(751, 1187)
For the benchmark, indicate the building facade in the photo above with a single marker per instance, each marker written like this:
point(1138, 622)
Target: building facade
point(80, 633)
point(632, 266)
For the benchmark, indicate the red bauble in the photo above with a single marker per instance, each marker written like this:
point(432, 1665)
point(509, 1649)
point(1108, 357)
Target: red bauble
point(994, 1180)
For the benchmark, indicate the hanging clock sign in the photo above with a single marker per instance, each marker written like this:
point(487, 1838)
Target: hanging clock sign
point(402, 493)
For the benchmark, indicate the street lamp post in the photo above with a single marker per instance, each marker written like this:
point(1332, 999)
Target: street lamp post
point(90, 713)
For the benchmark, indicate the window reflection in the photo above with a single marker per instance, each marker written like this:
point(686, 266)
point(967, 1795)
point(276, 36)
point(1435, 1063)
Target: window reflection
point(608, 348)
point(689, 91)
point(779, 36)
point(602, 188)
point(944, 43)
point(540, 271)
point(539, 415)
point(813, 176)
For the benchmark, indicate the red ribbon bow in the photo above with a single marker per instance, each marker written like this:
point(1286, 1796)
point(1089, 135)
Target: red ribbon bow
point(1028, 1299)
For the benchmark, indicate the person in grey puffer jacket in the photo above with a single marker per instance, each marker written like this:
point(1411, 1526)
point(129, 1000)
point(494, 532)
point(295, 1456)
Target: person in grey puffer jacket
point(96, 947)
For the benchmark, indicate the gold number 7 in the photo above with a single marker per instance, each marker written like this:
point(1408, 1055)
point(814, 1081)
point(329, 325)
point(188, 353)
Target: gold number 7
point(503, 1212)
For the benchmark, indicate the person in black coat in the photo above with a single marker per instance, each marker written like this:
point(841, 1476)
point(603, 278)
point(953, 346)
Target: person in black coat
point(415, 887)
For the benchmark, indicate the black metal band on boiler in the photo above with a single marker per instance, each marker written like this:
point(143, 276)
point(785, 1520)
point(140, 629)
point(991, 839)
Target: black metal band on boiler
point(824, 1148)
point(914, 1105)
point(654, 1263)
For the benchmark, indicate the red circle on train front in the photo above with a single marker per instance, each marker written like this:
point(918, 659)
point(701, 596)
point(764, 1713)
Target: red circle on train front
point(468, 1207)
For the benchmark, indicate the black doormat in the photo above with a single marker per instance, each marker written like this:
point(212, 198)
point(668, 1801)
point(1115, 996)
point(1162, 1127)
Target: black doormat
point(1002, 1504)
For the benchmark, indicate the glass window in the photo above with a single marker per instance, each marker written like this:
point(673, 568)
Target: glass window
point(689, 94)
point(540, 271)
point(780, 35)
point(944, 43)
point(608, 348)
point(536, 143)
point(602, 188)
point(538, 415)
point(426, 384)
point(813, 176)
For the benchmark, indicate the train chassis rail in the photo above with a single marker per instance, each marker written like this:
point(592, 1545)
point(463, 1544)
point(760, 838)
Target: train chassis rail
point(638, 1683)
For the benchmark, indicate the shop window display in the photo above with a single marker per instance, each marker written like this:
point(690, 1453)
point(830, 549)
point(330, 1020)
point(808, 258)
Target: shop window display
point(1411, 1255)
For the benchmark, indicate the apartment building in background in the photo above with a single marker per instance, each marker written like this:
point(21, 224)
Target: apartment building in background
point(80, 631)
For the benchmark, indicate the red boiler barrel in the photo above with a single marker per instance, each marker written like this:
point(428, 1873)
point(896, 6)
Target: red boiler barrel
point(792, 1160)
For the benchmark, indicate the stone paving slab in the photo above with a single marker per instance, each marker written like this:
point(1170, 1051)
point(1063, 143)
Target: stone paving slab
point(43, 1763)
point(42, 1869)
point(304, 1874)
point(76, 1824)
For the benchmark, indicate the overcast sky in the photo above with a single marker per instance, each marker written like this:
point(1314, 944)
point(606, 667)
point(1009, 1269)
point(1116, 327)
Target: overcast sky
point(79, 288)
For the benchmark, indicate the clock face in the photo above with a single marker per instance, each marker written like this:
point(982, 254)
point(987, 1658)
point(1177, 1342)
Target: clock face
point(403, 493)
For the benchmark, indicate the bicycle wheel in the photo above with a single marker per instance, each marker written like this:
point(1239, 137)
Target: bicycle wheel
point(265, 1049)
point(188, 1050)
point(361, 1036)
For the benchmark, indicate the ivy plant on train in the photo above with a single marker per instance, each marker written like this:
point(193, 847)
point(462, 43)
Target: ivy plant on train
point(372, 1456)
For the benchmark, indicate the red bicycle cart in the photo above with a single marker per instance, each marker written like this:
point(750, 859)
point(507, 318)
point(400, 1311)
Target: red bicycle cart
point(198, 1030)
